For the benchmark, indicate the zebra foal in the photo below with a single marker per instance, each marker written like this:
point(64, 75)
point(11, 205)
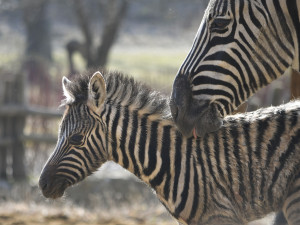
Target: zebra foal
point(245, 170)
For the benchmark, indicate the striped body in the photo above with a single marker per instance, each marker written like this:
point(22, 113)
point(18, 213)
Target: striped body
point(241, 46)
point(237, 174)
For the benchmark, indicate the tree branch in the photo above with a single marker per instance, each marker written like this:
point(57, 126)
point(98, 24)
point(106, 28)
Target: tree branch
point(110, 30)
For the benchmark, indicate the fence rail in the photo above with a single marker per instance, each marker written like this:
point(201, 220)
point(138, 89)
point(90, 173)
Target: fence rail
point(24, 110)
point(9, 111)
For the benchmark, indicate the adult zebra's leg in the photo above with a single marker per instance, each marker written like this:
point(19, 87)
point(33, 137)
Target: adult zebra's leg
point(291, 206)
point(280, 219)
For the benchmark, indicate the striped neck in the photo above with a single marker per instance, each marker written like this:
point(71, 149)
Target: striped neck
point(294, 7)
point(152, 148)
point(259, 46)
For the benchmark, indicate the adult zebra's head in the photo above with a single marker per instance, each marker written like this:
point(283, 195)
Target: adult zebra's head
point(241, 45)
point(80, 149)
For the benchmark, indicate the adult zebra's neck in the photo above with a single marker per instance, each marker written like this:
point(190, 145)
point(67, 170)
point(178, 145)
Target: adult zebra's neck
point(294, 13)
point(277, 44)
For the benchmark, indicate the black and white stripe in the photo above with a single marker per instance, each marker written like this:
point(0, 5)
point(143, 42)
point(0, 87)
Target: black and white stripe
point(230, 62)
point(245, 170)
point(240, 47)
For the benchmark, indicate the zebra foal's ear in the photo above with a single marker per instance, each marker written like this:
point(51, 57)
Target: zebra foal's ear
point(97, 90)
point(66, 83)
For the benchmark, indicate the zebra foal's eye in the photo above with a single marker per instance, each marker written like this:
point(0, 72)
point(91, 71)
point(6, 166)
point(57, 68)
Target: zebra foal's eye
point(219, 24)
point(76, 139)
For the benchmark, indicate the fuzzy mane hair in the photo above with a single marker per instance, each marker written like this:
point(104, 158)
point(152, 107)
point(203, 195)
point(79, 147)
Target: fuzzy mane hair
point(121, 90)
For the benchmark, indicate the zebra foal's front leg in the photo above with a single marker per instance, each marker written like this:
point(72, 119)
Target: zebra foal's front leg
point(291, 206)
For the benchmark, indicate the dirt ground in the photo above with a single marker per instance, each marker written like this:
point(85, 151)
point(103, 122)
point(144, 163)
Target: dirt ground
point(94, 201)
point(104, 201)
point(23, 214)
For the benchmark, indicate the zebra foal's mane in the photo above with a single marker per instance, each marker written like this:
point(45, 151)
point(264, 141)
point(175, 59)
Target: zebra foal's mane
point(123, 91)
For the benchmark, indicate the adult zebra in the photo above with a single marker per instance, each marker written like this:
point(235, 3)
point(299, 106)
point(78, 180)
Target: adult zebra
point(231, 176)
point(241, 46)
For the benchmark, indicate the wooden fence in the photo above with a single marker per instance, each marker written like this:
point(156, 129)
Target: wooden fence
point(13, 113)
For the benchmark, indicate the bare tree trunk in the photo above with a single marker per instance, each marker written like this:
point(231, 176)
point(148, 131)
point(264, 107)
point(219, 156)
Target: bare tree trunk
point(114, 12)
point(3, 150)
point(86, 48)
point(37, 28)
point(17, 127)
point(12, 132)
point(18, 153)
point(110, 31)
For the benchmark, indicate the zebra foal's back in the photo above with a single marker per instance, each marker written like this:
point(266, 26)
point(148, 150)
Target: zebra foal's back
point(252, 164)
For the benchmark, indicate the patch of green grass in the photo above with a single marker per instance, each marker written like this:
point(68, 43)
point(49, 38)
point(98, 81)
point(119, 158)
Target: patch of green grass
point(9, 59)
point(156, 68)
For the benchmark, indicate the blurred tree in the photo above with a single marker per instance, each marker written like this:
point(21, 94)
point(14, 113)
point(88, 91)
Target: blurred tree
point(38, 38)
point(38, 50)
point(112, 12)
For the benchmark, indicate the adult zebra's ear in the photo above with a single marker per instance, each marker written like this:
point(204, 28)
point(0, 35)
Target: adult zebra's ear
point(97, 90)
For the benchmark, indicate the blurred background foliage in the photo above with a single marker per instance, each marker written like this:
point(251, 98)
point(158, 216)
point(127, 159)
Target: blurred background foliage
point(43, 40)
point(138, 37)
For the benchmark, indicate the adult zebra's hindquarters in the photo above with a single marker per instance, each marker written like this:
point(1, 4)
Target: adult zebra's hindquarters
point(240, 47)
point(245, 170)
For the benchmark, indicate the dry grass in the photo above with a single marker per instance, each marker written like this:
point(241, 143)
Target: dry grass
point(36, 214)
point(93, 201)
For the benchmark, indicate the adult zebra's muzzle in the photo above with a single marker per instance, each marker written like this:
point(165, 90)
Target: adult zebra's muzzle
point(192, 116)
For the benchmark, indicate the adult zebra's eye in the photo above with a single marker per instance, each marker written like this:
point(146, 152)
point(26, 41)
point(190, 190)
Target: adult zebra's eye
point(219, 24)
point(76, 139)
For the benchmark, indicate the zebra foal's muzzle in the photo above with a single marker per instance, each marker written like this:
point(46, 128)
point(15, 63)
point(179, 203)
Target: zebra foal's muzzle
point(192, 116)
point(52, 185)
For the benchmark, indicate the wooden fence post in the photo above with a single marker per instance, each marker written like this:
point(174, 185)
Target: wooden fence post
point(13, 112)
point(3, 150)
point(3, 131)
point(18, 123)
point(11, 127)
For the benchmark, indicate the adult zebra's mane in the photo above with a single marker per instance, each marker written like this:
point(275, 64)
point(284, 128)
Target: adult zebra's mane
point(124, 91)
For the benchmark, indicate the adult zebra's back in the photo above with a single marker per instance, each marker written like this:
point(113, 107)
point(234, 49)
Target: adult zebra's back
point(241, 46)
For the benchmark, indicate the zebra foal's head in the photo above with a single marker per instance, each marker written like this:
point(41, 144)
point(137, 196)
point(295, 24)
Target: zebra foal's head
point(80, 149)
point(241, 46)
